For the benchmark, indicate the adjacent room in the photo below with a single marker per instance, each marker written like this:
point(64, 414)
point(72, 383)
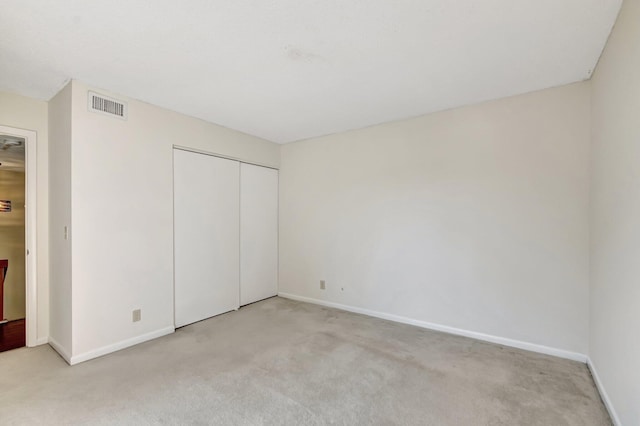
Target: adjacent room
point(12, 243)
point(298, 212)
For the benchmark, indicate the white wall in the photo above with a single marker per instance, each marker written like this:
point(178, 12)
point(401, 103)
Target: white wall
point(60, 216)
point(26, 113)
point(615, 220)
point(122, 221)
point(12, 243)
point(474, 218)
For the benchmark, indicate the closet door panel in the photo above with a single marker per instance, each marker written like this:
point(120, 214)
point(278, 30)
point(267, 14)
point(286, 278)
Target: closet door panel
point(258, 233)
point(206, 215)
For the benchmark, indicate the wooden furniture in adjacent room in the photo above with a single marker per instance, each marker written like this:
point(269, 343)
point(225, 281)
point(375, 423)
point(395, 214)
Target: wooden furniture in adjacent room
point(4, 265)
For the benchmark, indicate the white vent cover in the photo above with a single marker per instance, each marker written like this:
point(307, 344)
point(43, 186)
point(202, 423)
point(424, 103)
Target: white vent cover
point(108, 106)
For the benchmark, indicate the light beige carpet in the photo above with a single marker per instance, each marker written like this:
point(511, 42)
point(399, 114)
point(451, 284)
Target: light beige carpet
point(290, 363)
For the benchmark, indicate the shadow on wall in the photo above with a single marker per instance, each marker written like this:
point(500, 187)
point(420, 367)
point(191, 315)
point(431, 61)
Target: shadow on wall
point(12, 243)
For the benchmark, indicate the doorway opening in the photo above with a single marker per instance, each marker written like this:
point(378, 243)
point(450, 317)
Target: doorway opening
point(17, 239)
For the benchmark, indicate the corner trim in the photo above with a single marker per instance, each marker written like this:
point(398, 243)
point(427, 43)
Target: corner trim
point(120, 345)
point(603, 393)
point(561, 353)
point(58, 348)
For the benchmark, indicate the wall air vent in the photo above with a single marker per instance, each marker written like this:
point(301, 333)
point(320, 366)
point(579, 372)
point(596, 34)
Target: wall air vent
point(108, 106)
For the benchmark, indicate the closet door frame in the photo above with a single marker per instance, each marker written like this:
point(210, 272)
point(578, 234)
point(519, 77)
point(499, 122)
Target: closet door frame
point(226, 157)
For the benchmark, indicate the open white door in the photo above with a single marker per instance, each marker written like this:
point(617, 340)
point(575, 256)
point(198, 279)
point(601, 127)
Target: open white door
point(258, 233)
point(206, 215)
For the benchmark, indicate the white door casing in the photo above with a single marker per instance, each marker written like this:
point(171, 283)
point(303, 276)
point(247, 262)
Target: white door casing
point(30, 232)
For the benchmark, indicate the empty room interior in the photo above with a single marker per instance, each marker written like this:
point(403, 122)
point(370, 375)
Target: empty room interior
point(418, 212)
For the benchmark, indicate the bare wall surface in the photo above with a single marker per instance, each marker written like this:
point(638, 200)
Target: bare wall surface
point(474, 218)
point(30, 114)
point(122, 222)
point(615, 218)
point(12, 243)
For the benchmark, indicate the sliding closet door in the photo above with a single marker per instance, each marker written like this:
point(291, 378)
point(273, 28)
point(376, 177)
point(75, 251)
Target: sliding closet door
point(258, 233)
point(206, 215)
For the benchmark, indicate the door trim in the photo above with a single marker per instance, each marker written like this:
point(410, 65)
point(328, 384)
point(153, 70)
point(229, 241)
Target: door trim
point(31, 290)
point(226, 157)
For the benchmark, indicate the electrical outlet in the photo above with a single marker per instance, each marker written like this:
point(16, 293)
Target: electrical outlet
point(322, 285)
point(136, 315)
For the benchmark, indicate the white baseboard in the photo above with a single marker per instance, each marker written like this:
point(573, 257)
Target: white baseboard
point(58, 348)
point(561, 353)
point(603, 393)
point(120, 345)
point(42, 341)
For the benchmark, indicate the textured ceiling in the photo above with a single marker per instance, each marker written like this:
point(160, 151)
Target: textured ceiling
point(287, 70)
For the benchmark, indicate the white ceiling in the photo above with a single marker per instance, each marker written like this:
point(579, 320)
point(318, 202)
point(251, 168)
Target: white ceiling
point(287, 70)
